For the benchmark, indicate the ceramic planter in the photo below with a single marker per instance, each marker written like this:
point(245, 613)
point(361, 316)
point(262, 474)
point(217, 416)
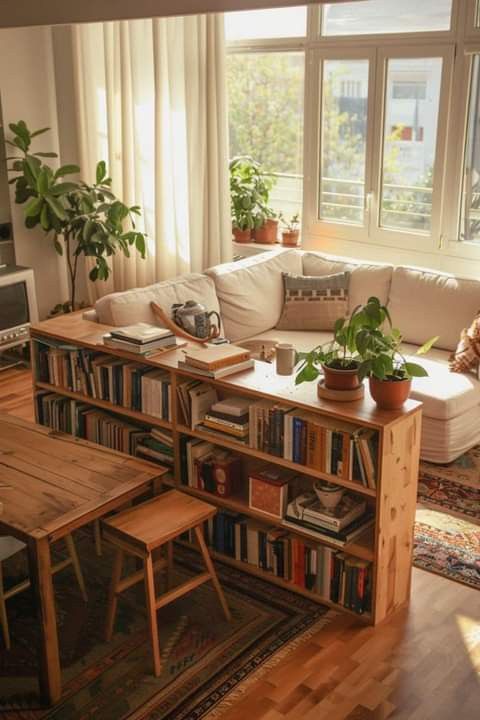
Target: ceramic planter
point(290, 238)
point(267, 234)
point(390, 394)
point(338, 379)
point(241, 236)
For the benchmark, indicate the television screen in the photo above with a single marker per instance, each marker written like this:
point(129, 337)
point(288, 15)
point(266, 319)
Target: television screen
point(13, 305)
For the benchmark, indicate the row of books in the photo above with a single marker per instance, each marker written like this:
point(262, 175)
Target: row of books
point(324, 444)
point(130, 384)
point(332, 574)
point(84, 421)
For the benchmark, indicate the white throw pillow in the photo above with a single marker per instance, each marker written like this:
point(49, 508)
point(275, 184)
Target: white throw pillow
point(250, 291)
point(366, 279)
point(132, 306)
point(424, 303)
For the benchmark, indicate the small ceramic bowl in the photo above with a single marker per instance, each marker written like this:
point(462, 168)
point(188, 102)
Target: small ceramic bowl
point(328, 494)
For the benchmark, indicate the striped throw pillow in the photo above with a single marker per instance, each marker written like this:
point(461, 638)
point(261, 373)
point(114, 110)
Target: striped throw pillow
point(313, 302)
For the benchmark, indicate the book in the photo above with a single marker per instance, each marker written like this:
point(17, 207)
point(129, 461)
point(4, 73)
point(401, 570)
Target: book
point(202, 397)
point(226, 426)
point(342, 538)
point(218, 373)
point(310, 508)
point(141, 333)
point(215, 357)
point(232, 406)
point(137, 348)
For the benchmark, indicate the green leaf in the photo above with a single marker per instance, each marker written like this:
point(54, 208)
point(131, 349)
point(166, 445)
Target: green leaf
point(101, 171)
point(44, 218)
point(33, 164)
point(58, 246)
point(140, 244)
point(67, 170)
point(426, 347)
point(415, 370)
point(308, 374)
point(33, 207)
point(39, 132)
point(42, 182)
point(56, 207)
point(46, 154)
point(93, 274)
point(88, 230)
point(63, 188)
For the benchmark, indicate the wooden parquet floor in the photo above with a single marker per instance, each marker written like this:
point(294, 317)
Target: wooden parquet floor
point(423, 664)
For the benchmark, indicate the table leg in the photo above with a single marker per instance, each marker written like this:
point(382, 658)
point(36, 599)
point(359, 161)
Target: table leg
point(41, 578)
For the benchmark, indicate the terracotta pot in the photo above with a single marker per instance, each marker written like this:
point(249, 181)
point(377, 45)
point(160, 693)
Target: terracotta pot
point(241, 236)
point(337, 379)
point(267, 234)
point(290, 238)
point(390, 394)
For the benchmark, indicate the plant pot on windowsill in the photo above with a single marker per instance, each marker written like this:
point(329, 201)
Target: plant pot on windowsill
point(241, 236)
point(339, 376)
point(290, 239)
point(267, 233)
point(390, 394)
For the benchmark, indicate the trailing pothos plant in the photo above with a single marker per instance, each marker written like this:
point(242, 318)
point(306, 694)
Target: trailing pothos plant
point(340, 353)
point(379, 350)
point(82, 219)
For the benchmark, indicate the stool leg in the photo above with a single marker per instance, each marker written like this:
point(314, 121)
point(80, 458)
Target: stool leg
point(209, 565)
point(112, 595)
point(98, 537)
point(152, 614)
point(169, 564)
point(72, 551)
point(3, 612)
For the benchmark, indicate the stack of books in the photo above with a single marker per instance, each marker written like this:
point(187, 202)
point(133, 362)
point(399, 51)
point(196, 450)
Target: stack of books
point(140, 339)
point(229, 416)
point(339, 526)
point(216, 361)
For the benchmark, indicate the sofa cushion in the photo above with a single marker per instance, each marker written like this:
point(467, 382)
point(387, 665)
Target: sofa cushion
point(313, 302)
point(132, 306)
point(366, 279)
point(425, 303)
point(250, 291)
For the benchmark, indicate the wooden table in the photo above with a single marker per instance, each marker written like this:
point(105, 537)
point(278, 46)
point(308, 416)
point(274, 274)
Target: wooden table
point(51, 484)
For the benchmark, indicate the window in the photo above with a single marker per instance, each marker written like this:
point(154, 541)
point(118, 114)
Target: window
point(343, 140)
point(266, 24)
point(372, 17)
point(470, 223)
point(409, 89)
point(406, 192)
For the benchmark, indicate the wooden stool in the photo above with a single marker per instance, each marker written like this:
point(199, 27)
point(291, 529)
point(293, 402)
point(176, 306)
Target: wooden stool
point(141, 530)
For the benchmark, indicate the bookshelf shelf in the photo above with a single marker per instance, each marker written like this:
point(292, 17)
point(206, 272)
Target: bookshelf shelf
point(387, 545)
point(269, 577)
point(218, 439)
point(362, 547)
point(105, 405)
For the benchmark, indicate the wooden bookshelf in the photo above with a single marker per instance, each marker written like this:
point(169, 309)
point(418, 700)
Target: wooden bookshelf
point(388, 544)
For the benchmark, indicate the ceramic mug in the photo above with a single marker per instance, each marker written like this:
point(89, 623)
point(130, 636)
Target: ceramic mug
point(285, 354)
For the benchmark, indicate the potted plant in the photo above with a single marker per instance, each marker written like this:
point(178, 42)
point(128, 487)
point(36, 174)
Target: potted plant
point(381, 359)
point(292, 230)
point(249, 191)
point(88, 218)
point(267, 232)
point(337, 358)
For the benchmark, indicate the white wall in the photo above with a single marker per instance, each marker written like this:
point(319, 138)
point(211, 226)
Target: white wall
point(27, 89)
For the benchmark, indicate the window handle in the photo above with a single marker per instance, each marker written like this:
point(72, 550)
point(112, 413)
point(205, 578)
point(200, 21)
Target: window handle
point(368, 202)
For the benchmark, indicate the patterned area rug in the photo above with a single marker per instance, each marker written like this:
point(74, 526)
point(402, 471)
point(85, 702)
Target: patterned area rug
point(447, 528)
point(204, 657)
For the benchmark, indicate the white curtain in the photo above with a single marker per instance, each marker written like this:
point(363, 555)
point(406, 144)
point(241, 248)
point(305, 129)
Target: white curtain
point(151, 98)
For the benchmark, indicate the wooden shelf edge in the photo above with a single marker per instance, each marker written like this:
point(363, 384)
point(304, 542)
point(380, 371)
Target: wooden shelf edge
point(236, 505)
point(106, 405)
point(269, 577)
point(274, 459)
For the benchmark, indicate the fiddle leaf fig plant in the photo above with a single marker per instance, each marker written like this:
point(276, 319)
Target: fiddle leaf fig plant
point(81, 218)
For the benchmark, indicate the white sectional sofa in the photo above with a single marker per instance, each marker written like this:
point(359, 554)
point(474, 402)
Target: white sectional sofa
point(248, 294)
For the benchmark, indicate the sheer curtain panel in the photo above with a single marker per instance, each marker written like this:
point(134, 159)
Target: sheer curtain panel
point(151, 98)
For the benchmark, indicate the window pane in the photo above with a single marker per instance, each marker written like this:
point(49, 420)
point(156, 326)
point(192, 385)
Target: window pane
point(259, 24)
point(410, 136)
point(470, 230)
point(386, 16)
point(343, 140)
point(266, 118)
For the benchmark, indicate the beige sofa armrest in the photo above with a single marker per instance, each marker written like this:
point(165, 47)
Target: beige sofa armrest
point(90, 315)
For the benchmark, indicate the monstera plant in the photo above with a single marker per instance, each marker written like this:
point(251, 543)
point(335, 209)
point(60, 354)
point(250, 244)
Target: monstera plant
point(81, 219)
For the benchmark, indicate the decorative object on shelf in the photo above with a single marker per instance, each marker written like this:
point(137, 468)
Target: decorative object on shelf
point(89, 218)
point(325, 393)
point(285, 357)
point(381, 359)
point(328, 493)
point(268, 490)
point(261, 348)
point(194, 318)
point(168, 323)
point(267, 233)
point(249, 193)
point(291, 234)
